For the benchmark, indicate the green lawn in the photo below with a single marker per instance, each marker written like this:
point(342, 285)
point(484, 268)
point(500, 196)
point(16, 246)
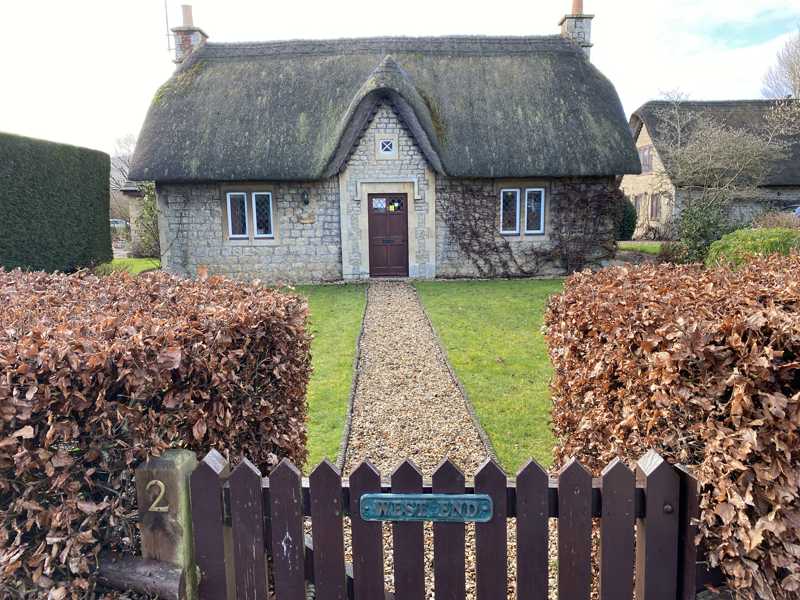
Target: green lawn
point(491, 331)
point(134, 266)
point(336, 312)
point(645, 247)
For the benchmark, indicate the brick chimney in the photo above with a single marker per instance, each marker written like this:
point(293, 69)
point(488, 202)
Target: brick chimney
point(187, 36)
point(578, 27)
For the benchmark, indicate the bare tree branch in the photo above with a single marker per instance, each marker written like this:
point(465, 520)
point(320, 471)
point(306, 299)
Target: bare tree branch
point(782, 80)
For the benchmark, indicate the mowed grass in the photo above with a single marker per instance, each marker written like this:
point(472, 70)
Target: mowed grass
point(134, 266)
point(335, 322)
point(491, 332)
point(645, 247)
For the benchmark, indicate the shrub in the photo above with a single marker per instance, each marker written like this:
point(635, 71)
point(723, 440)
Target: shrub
point(98, 374)
point(146, 242)
point(737, 247)
point(771, 220)
point(673, 252)
point(701, 365)
point(55, 205)
point(699, 224)
point(626, 221)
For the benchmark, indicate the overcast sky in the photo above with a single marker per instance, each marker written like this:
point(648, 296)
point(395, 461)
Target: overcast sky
point(84, 71)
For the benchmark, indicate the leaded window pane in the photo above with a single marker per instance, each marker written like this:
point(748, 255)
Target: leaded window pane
point(237, 213)
point(509, 208)
point(262, 209)
point(534, 211)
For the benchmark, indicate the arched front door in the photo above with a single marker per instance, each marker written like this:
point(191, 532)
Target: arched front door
point(388, 235)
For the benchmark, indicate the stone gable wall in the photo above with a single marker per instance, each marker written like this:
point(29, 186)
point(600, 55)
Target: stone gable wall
point(366, 172)
point(307, 247)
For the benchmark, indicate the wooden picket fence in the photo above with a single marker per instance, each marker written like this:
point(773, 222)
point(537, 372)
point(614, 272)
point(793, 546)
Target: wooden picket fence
point(645, 520)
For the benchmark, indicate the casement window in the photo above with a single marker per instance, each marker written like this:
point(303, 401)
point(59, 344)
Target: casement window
point(534, 210)
point(655, 207)
point(249, 215)
point(646, 158)
point(509, 211)
point(238, 220)
point(637, 204)
point(262, 215)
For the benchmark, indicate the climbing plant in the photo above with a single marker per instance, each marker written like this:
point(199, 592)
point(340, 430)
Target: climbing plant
point(581, 223)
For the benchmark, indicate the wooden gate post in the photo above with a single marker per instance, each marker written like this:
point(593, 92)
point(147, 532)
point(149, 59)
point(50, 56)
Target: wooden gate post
point(165, 520)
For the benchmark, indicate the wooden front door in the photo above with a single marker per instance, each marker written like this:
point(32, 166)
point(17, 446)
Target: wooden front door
point(388, 235)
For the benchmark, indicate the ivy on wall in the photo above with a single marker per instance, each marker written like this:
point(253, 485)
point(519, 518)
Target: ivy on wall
point(580, 230)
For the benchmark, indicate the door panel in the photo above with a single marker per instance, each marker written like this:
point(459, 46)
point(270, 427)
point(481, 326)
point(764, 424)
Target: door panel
point(388, 235)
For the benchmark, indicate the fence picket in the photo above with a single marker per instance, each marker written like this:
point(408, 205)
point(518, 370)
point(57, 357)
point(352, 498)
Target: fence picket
point(690, 511)
point(532, 532)
point(367, 537)
point(574, 531)
point(327, 533)
point(448, 539)
point(208, 530)
point(247, 522)
point(657, 533)
point(408, 539)
point(286, 525)
point(617, 532)
point(491, 547)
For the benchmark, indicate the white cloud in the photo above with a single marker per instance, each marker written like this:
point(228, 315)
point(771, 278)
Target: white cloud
point(84, 72)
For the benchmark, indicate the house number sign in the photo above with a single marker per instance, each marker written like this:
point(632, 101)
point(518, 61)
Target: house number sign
point(441, 508)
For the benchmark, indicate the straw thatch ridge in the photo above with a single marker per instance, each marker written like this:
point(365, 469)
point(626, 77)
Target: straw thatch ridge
point(477, 106)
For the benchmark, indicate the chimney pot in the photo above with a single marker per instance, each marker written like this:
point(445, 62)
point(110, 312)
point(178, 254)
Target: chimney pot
point(187, 15)
point(188, 37)
point(578, 27)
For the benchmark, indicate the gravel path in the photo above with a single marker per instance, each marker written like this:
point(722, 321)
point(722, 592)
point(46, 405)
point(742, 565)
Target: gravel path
point(408, 406)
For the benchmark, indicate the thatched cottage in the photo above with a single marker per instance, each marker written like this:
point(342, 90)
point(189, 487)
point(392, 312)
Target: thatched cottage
point(654, 193)
point(420, 157)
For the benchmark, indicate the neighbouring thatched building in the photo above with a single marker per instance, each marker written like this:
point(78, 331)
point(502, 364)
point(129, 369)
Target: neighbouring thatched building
point(653, 192)
point(345, 159)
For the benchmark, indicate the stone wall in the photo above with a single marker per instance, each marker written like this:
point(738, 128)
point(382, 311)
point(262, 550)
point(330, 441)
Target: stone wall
point(407, 171)
point(469, 243)
point(306, 248)
point(650, 187)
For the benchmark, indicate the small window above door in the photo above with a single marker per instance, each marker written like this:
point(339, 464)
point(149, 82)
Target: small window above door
point(386, 147)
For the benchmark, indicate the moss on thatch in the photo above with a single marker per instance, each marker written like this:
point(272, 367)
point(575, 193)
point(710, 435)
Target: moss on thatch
point(478, 107)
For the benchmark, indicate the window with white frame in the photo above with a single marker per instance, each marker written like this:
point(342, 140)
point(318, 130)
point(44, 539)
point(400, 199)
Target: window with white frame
point(262, 215)
point(534, 210)
point(237, 216)
point(509, 211)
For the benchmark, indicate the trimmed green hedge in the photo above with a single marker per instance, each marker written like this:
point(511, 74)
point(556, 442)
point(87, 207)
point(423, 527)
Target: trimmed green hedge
point(735, 248)
point(54, 200)
point(626, 220)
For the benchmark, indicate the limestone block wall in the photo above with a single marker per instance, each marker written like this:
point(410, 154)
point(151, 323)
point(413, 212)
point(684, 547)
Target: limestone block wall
point(367, 172)
point(510, 255)
point(307, 244)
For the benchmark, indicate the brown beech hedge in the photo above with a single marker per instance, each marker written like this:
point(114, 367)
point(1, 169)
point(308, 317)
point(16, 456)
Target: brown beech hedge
point(97, 374)
point(704, 366)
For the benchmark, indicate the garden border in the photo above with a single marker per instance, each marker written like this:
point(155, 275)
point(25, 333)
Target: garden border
point(487, 443)
point(348, 422)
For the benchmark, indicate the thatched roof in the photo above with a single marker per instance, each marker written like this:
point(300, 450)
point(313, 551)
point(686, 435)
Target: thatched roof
point(747, 115)
point(478, 107)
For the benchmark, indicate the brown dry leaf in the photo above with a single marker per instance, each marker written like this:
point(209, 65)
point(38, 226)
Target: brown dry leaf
point(26, 433)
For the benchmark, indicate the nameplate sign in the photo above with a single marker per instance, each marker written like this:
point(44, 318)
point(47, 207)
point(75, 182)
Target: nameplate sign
point(441, 508)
